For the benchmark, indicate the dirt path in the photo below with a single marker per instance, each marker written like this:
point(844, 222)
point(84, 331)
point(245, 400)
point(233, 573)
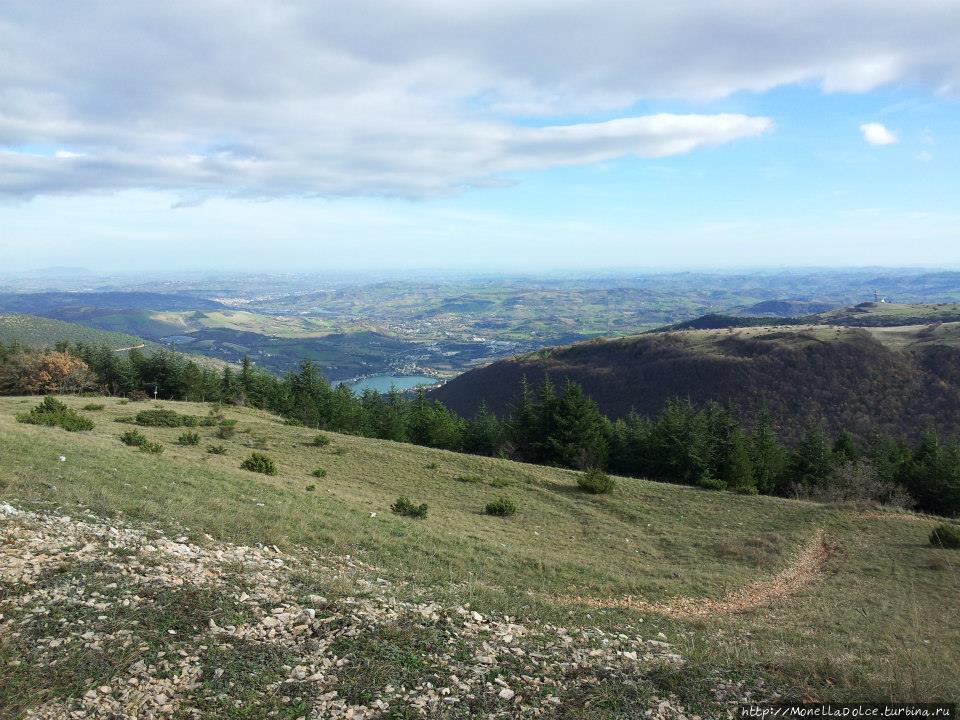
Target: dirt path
point(789, 581)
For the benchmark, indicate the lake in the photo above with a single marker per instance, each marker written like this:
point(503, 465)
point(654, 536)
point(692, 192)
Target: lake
point(383, 383)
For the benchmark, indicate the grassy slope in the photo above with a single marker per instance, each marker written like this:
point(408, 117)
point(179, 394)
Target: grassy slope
point(882, 621)
point(36, 331)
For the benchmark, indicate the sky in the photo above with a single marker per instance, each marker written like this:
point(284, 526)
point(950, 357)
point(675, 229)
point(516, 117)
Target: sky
point(514, 135)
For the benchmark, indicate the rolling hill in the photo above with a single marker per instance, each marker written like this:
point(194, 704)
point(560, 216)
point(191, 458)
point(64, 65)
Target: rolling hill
point(36, 331)
point(896, 378)
point(40, 332)
point(180, 584)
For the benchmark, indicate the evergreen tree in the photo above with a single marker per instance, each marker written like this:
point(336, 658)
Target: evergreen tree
point(768, 456)
point(522, 426)
point(811, 463)
point(576, 432)
point(736, 465)
point(484, 433)
point(845, 448)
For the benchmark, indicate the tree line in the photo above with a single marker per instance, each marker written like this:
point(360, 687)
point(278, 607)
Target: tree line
point(552, 425)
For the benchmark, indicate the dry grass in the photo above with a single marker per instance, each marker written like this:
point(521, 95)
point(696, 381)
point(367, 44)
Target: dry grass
point(876, 623)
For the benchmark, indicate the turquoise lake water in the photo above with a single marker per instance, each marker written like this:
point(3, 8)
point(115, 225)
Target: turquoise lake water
point(383, 383)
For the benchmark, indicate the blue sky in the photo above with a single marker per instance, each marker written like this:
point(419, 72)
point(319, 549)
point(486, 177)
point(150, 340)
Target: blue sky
point(506, 136)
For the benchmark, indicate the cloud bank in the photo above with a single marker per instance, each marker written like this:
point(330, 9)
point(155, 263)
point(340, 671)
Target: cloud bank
point(274, 98)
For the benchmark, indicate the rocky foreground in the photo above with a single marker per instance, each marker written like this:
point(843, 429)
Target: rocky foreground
point(106, 621)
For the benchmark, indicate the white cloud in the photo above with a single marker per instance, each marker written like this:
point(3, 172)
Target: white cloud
point(414, 99)
point(877, 134)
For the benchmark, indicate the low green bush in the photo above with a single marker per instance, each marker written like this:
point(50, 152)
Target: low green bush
point(596, 482)
point(946, 536)
point(93, 407)
point(216, 449)
point(339, 451)
point(126, 419)
point(501, 507)
point(431, 466)
point(320, 440)
point(311, 488)
point(53, 413)
point(403, 506)
point(225, 432)
point(708, 482)
point(160, 417)
point(189, 438)
point(319, 473)
point(154, 448)
point(260, 463)
point(470, 479)
point(293, 422)
point(134, 438)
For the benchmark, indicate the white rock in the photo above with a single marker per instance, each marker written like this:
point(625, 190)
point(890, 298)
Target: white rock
point(506, 694)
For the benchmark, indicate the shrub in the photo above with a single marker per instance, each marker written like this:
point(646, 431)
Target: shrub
point(93, 407)
point(124, 401)
point(232, 422)
point(154, 448)
point(216, 449)
point(596, 482)
point(431, 466)
point(339, 451)
point(471, 479)
point(404, 507)
point(320, 440)
point(129, 419)
point(133, 438)
point(165, 418)
point(311, 488)
point(319, 473)
point(189, 438)
point(293, 422)
point(225, 432)
point(260, 463)
point(501, 507)
point(53, 413)
point(857, 481)
point(946, 536)
point(708, 482)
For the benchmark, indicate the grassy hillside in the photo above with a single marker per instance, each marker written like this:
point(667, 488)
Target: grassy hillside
point(35, 331)
point(896, 379)
point(872, 314)
point(742, 589)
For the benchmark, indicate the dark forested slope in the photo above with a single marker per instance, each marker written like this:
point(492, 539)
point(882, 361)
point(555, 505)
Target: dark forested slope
point(899, 381)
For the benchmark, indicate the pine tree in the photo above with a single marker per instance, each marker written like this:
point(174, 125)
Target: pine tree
point(811, 463)
point(736, 467)
point(769, 457)
point(845, 448)
point(576, 432)
point(484, 433)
